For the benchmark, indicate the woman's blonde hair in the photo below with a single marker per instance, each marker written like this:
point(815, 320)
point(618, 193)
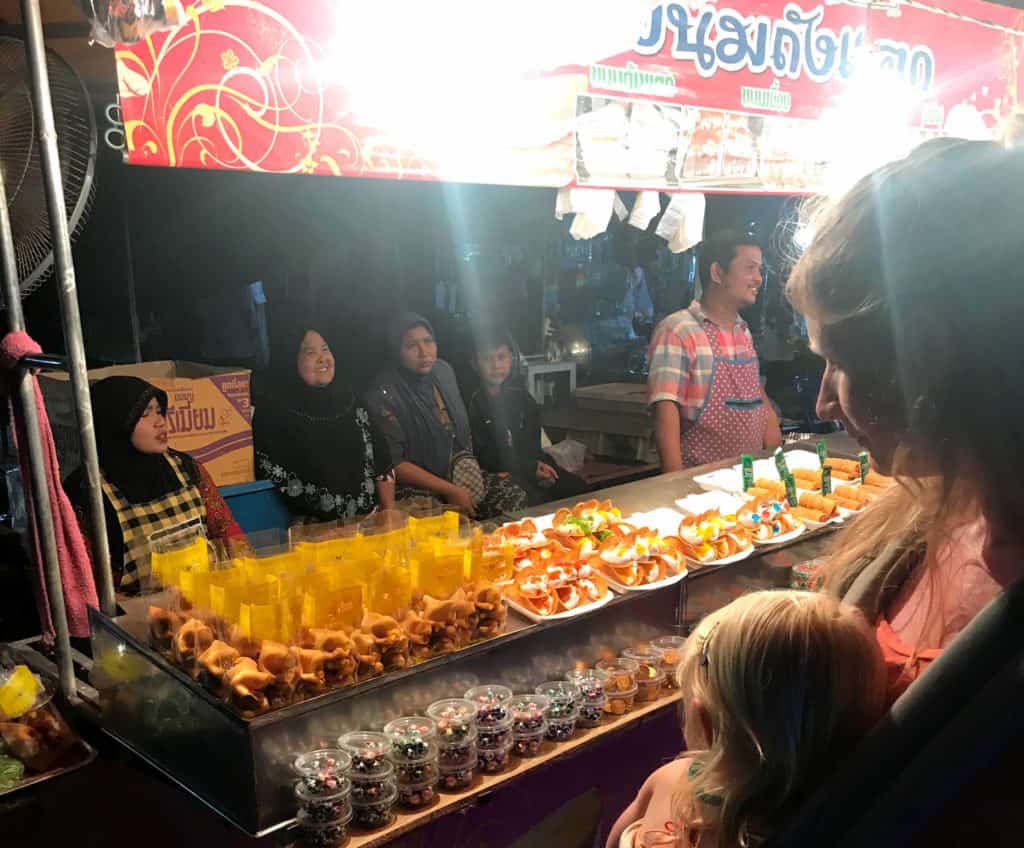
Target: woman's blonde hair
point(791, 682)
point(916, 278)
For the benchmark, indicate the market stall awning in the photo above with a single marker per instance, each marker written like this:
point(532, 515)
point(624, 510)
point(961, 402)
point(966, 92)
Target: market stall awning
point(740, 96)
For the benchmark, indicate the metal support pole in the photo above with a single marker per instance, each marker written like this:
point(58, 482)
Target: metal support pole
point(26, 398)
point(70, 318)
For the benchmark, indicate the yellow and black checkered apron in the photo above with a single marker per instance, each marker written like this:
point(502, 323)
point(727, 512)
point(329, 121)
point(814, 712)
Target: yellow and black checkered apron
point(140, 521)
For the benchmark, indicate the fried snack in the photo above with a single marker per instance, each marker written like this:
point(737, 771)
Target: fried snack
point(246, 685)
point(880, 481)
point(815, 516)
point(282, 663)
point(243, 644)
point(312, 679)
point(191, 640)
point(765, 520)
point(854, 493)
point(846, 503)
point(490, 609)
point(824, 505)
point(38, 738)
point(756, 492)
point(710, 536)
point(877, 491)
point(367, 655)
point(850, 468)
point(807, 478)
point(776, 487)
point(391, 641)
point(163, 624)
point(339, 665)
point(214, 662)
point(418, 630)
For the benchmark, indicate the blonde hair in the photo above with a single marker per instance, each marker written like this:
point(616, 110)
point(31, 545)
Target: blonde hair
point(791, 682)
point(915, 278)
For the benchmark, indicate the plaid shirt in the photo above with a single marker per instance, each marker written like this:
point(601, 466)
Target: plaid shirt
point(681, 361)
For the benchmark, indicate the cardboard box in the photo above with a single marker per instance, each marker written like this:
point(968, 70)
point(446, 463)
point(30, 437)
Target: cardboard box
point(208, 414)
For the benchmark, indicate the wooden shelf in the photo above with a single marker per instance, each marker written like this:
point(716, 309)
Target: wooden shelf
point(450, 802)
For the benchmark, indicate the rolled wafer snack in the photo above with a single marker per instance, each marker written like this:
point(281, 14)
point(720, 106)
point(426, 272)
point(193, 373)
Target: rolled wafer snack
point(845, 503)
point(847, 466)
point(852, 493)
point(757, 492)
point(807, 478)
point(819, 503)
point(880, 480)
point(776, 487)
point(815, 516)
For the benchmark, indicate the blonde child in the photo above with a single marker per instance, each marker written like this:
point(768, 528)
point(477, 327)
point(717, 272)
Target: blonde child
point(778, 687)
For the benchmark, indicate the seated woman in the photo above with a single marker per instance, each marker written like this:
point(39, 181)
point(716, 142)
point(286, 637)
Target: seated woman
point(418, 408)
point(313, 438)
point(922, 368)
point(505, 422)
point(148, 488)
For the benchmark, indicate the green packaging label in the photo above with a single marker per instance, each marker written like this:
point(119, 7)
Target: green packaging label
point(791, 495)
point(826, 480)
point(780, 464)
point(747, 461)
point(822, 452)
point(864, 466)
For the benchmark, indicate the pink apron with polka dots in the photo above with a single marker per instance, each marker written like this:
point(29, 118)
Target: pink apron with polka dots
point(734, 415)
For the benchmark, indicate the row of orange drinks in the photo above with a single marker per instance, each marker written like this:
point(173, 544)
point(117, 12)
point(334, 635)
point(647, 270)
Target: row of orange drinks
point(328, 576)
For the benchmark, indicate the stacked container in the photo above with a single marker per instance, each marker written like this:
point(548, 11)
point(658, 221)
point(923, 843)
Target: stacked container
point(373, 779)
point(671, 648)
point(456, 740)
point(413, 752)
point(620, 687)
point(493, 727)
point(650, 676)
point(323, 793)
point(593, 697)
point(529, 724)
point(564, 698)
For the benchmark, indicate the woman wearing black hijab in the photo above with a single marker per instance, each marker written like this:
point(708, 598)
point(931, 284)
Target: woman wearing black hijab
point(418, 407)
point(313, 439)
point(148, 488)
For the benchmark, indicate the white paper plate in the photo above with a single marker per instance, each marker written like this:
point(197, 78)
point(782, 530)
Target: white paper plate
point(723, 502)
point(781, 540)
point(742, 555)
point(728, 480)
point(530, 614)
point(663, 520)
point(622, 588)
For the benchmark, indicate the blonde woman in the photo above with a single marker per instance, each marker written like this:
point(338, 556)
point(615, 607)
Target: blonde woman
point(778, 688)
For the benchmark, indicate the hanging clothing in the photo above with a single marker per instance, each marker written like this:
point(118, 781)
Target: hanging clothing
point(143, 493)
point(317, 445)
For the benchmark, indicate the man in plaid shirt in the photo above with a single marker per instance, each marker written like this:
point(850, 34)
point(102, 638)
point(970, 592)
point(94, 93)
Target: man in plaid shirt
point(704, 378)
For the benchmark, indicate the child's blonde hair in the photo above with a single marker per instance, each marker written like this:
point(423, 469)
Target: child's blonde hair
point(791, 681)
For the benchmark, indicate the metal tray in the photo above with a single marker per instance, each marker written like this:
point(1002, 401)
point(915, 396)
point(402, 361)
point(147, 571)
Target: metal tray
point(80, 754)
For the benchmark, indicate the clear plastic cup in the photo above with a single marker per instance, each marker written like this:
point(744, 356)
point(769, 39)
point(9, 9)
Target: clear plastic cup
point(530, 744)
point(494, 760)
point(366, 789)
point(320, 807)
point(591, 681)
point(671, 648)
point(494, 736)
point(458, 777)
point(565, 698)
point(491, 702)
point(322, 770)
point(620, 703)
point(375, 814)
point(416, 796)
point(621, 674)
point(455, 719)
point(529, 713)
point(457, 756)
point(592, 712)
point(562, 729)
point(410, 774)
point(368, 752)
point(324, 835)
point(411, 738)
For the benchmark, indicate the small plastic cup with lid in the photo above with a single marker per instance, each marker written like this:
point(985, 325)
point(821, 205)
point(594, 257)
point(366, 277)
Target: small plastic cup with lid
point(409, 774)
point(375, 814)
point(494, 760)
point(671, 648)
point(333, 834)
point(368, 752)
point(591, 682)
point(621, 674)
point(412, 738)
point(455, 755)
point(321, 808)
point(416, 796)
point(322, 770)
point(494, 736)
point(565, 698)
point(491, 701)
point(620, 703)
point(455, 719)
point(459, 777)
point(650, 677)
point(529, 713)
